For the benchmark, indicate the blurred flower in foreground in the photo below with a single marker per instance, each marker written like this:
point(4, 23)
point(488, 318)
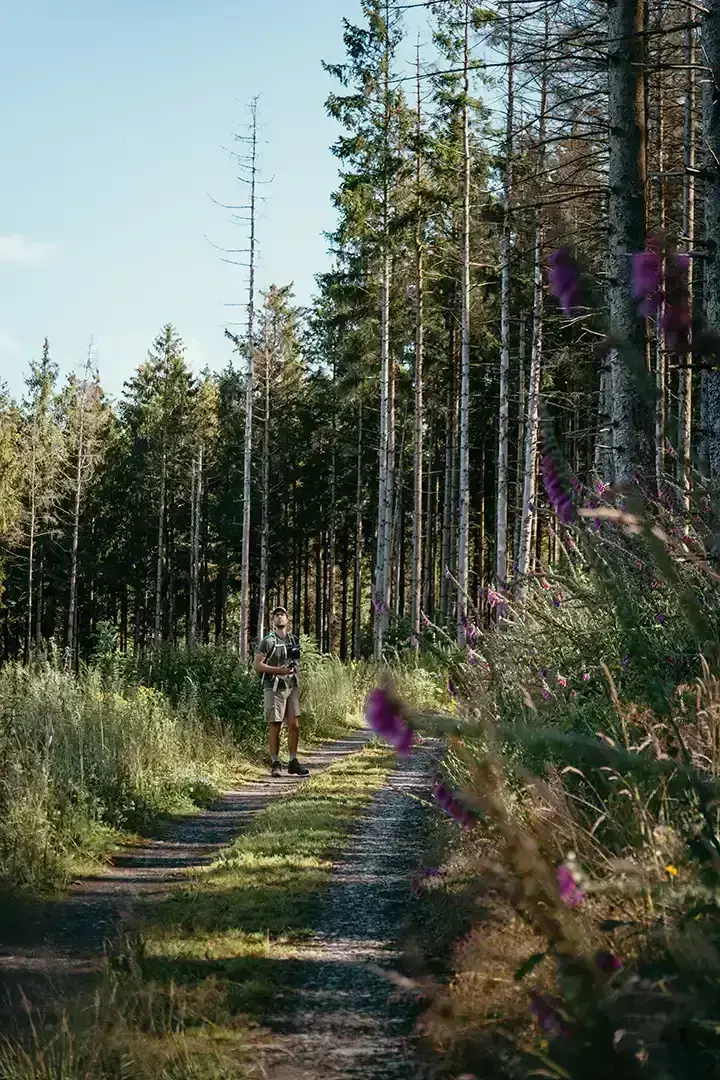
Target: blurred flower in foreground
point(547, 1015)
point(385, 715)
point(565, 281)
point(570, 892)
point(453, 806)
point(556, 493)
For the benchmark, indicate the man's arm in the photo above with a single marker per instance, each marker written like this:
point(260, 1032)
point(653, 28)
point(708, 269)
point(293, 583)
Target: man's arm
point(263, 668)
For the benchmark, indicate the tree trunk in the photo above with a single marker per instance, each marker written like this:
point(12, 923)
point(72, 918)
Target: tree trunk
point(157, 640)
point(80, 450)
point(417, 533)
point(631, 425)
point(464, 488)
point(505, 248)
point(357, 562)
point(520, 445)
point(265, 507)
point(711, 131)
point(247, 458)
point(660, 389)
point(685, 387)
point(31, 546)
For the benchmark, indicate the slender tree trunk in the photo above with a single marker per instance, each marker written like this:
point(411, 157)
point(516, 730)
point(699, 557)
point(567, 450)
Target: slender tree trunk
point(417, 534)
point(318, 596)
point(265, 508)
point(39, 595)
point(79, 466)
point(685, 387)
point(529, 508)
point(660, 400)
point(357, 562)
point(160, 551)
point(332, 553)
point(385, 494)
point(711, 130)
point(520, 444)
point(448, 488)
point(31, 545)
point(344, 571)
point(429, 518)
point(631, 425)
point(464, 489)
point(247, 459)
point(505, 249)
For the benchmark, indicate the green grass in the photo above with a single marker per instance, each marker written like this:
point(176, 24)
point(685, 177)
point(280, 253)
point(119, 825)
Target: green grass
point(205, 966)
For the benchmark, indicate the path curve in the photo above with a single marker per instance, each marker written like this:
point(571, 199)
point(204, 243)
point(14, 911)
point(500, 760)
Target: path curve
point(70, 936)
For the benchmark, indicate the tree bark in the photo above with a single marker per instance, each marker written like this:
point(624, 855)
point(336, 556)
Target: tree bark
point(711, 129)
point(631, 423)
point(417, 532)
point(505, 248)
point(464, 488)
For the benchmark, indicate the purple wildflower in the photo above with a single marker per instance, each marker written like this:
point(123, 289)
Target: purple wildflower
point(558, 496)
point(570, 892)
point(672, 301)
point(607, 963)
point(660, 617)
point(625, 662)
point(647, 279)
point(546, 693)
point(547, 1015)
point(379, 604)
point(586, 676)
point(385, 715)
point(452, 806)
point(565, 282)
point(472, 657)
point(451, 688)
point(494, 598)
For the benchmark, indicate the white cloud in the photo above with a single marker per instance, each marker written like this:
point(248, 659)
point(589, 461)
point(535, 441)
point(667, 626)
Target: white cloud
point(16, 248)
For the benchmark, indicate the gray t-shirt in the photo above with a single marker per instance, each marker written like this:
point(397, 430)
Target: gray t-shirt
point(275, 653)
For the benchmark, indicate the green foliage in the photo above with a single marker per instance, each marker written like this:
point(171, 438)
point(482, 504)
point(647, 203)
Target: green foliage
point(82, 761)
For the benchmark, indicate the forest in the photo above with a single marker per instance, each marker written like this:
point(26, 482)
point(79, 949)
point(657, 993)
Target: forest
point(481, 471)
point(401, 407)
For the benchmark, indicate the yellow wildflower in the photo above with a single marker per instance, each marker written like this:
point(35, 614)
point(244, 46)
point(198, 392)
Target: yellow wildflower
point(671, 870)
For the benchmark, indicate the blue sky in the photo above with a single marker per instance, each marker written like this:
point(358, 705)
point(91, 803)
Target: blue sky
point(113, 119)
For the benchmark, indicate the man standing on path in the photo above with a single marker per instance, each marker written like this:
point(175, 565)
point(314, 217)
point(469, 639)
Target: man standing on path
point(274, 662)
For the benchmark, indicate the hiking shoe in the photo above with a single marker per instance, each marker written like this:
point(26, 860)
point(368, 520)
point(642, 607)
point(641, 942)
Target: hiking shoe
point(296, 769)
point(276, 769)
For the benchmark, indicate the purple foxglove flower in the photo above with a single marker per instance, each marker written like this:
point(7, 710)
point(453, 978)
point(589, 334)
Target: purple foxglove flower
point(473, 658)
point(673, 300)
point(570, 892)
point(556, 493)
point(607, 963)
point(386, 718)
point(547, 1016)
point(647, 279)
point(565, 282)
point(453, 806)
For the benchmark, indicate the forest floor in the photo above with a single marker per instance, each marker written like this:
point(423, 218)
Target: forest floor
point(256, 937)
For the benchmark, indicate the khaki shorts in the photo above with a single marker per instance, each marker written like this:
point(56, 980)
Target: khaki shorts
point(280, 704)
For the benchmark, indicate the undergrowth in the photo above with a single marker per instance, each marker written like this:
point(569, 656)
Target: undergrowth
point(183, 997)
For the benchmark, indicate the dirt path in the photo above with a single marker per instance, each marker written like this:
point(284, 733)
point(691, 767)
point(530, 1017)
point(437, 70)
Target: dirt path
point(351, 1022)
point(69, 936)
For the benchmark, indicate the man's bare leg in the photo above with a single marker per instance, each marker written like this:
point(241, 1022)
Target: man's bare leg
point(274, 740)
point(293, 726)
point(293, 734)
